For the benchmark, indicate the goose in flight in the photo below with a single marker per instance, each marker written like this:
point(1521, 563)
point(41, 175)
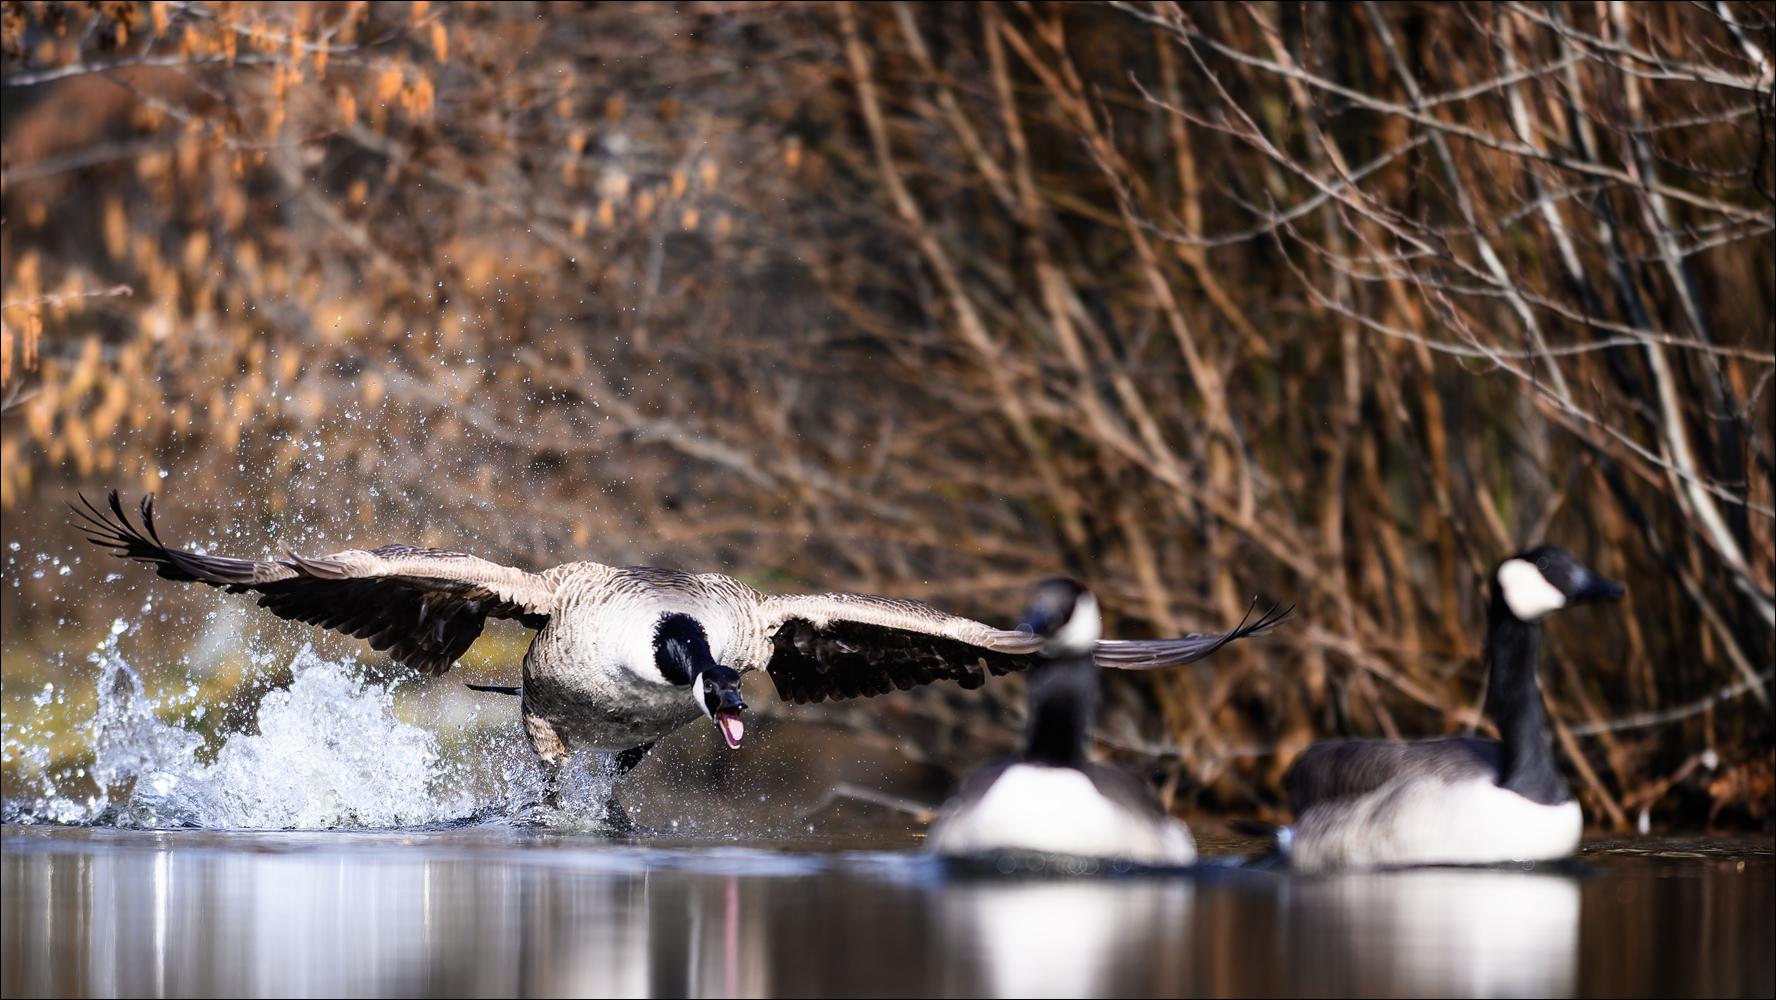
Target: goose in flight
point(623, 656)
point(1456, 800)
point(1053, 800)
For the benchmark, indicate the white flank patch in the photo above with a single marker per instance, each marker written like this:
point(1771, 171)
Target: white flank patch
point(1527, 592)
point(1084, 626)
point(1057, 810)
point(1429, 822)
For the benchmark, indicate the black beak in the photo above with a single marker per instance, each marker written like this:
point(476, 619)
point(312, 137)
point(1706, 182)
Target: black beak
point(724, 701)
point(1592, 587)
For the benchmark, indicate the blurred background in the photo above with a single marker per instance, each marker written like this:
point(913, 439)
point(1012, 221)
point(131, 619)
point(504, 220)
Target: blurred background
point(1333, 305)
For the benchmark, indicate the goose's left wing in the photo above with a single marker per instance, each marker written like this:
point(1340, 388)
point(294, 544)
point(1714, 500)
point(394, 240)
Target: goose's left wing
point(856, 646)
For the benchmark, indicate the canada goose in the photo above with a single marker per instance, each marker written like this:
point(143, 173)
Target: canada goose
point(1456, 800)
point(623, 656)
point(1053, 800)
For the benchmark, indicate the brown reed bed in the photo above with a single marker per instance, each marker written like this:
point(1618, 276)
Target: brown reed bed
point(1331, 304)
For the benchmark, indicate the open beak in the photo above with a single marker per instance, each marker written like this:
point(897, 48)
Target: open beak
point(719, 698)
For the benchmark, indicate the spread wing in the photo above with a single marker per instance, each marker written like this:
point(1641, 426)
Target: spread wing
point(856, 646)
point(425, 606)
point(1343, 769)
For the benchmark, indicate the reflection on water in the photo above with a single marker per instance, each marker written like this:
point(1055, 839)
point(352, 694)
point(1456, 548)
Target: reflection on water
point(1448, 931)
point(1067, 939)
point(507, 913)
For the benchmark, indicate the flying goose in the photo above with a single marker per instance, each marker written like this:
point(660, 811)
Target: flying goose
point(1456, 800)
point(1053, 800)
point(623, 656)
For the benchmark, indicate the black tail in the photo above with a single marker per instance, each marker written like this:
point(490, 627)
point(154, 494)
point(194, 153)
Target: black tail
point(495, 688)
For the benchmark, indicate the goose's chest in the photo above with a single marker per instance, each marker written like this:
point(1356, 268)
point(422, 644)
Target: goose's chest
point(594, 682)
point(592, 670)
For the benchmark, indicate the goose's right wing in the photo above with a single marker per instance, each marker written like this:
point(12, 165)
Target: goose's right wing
point(425, 606)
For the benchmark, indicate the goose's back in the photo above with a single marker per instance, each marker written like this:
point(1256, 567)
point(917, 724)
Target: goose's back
point(604, 617)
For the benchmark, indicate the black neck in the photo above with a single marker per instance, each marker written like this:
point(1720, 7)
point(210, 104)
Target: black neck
point(681, 649)
point(1063, 707)
point(1514, 699)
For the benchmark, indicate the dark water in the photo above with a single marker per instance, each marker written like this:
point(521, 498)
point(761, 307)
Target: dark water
point(495, 913)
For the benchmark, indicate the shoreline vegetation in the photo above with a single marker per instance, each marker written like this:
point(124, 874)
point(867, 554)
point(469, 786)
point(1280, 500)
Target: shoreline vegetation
point(1332, 304)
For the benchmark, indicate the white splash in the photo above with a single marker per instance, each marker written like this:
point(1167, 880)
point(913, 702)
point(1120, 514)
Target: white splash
point(329, 753)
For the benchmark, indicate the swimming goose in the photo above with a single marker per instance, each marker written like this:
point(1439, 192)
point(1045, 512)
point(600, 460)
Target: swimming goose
point(1456, 800)
point(1053, 800)
point(623, 656)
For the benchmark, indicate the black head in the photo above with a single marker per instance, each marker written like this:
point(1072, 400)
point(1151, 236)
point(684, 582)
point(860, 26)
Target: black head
point(1063, 612)
point(1537, 583)
point(681, 654)
point(681, 649)
point(717, 691)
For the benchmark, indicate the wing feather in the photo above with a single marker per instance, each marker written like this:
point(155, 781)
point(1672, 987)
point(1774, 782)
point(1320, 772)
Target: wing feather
point(857, 645)
point(424, 606)
point(1152, 654)
point(838, 646)
point(915, 617)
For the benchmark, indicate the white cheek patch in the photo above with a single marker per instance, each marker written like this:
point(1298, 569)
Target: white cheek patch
point(699, 695)
point(1527, 592)
point(1082, 630)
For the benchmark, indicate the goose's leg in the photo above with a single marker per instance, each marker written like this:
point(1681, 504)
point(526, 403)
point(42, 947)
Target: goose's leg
point(621, 763)
point(551, 782)
point(627, 759)
point(551, 751)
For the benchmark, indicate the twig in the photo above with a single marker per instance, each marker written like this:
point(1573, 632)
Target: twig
point(1476, 135)
point(1574, 753)
point(919, 811)
point(61, 298)
point(1644, 720)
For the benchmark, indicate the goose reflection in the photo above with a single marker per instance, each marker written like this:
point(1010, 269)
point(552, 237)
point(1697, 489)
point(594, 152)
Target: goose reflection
point(1442, 932)
point(455, 914)
point(1069, 939)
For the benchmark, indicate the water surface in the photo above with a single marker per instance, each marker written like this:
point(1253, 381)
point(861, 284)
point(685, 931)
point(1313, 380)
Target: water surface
point(422, 858)
point(495, 912)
